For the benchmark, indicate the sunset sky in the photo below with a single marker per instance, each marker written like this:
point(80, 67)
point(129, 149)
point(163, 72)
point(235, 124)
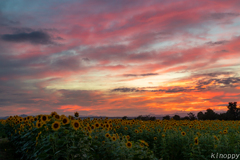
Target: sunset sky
point(118, 58)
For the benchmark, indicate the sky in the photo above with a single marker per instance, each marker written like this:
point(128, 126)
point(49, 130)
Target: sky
point(118, 58)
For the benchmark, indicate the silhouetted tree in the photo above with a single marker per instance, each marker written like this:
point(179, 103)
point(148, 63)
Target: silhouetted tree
point(176, 117)
point(233, 111)
point(200, 116)
point(210, 114)
point(139, 117)
point(152, 118)
point(222, 116)
point(185, 118)
point(125, 117)
point(167, 117)
point(191, 116)
point(146, 118)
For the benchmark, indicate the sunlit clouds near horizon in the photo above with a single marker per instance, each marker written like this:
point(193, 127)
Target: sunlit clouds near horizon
point(118, 58)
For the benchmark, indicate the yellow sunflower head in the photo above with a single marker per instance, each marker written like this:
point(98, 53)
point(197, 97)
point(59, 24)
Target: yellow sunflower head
point(114, 138)
point(107, 135)
point(76, 125)
point(76, 114)
point(225, 131)
point(183, 133)
point(215, 137)
point(56, 116)
point(65, 120)
point(129, 144)
point(44, 118)
point(38, 124)
point(196, 141)
point(53, 113)
point(97, 125)
point(56, 125)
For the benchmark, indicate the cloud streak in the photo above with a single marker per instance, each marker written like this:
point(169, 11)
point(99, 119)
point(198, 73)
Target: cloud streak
point(35, 37)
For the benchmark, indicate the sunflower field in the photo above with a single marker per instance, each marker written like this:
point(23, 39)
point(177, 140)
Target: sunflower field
point(59, 137)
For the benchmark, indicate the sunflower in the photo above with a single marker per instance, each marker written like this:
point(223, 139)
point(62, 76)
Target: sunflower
point(103, 142)
point(155, 138)
point(38, 124)
point(76, 125)
point(114, 138)
point(92, 127)
point(183, 133)
point(71, 117)
point(163, 135)
point(76, 114)
point(107, 125)
point(136, 131)
point(56, 116)
point(129, 144)
point(126, 128)
point(216, 137)
point(128, 137)
point(44, 118)
point(145, 143)
point(53, 113)
point(141, 145)
point(56, 125)
point(97, 125)
point(107, 135)
point(196, 141)
point(65, 120)
point(31, 119)
point(225, 131)
point(89, 130)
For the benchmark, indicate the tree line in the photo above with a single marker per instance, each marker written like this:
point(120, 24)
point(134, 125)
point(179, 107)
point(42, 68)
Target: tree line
point(233, 113)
